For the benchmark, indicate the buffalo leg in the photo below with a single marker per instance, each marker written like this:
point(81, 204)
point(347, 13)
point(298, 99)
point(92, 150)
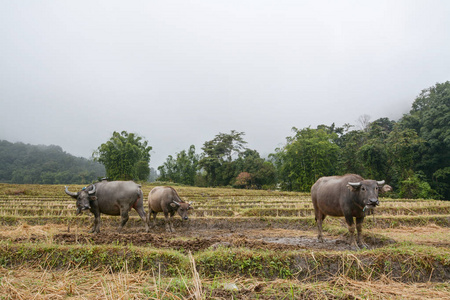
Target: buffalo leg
point(167, 221)
point(154, 217)
point(171, 221)
point(97, 221)
point(359, 222)
point(351, 231)
point(124, 218)
point(319, 219)
point(143, 216)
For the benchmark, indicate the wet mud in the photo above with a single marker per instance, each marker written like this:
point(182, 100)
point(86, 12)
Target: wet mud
point(185, 240)
point(198, 243)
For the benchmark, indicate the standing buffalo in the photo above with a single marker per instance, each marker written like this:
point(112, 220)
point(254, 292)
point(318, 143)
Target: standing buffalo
point(110, 198)
point(165, 199)
point(349, 196)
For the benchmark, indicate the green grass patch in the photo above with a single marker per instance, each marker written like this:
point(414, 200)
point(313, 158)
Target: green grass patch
point(51, 256)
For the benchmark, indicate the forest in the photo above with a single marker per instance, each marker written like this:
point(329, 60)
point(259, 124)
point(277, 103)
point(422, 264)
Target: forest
point(39, 164)
point(412, 154)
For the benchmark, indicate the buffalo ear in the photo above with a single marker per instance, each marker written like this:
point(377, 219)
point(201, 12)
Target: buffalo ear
point(190, 207)
point(173, 205)
point(386, 188)
point(93, 198)
point(351, 188)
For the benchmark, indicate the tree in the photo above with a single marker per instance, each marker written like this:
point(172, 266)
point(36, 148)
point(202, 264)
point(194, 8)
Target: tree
point(308, 155)
point(364, 122)
point(183, 169)
point(262, 172)
point(125, 156)
point(217, 157)
point(350, 142)
point(366, 151)
point(153, 175)
point(187, 164)
point(243, 180)
point(413, 187)
point(167, 171)
point(430, 118)
point(403, 149)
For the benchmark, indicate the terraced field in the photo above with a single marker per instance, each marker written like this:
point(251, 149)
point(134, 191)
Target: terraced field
point(238, 244)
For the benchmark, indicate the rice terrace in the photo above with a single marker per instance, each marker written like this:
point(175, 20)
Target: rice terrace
point(237, 244)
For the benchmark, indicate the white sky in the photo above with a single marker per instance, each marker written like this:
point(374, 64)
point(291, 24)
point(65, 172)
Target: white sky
point(179, 72)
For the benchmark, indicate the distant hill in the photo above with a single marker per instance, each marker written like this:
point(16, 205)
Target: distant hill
point(39, 164)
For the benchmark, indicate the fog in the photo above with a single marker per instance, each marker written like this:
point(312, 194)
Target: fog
point(179, 72)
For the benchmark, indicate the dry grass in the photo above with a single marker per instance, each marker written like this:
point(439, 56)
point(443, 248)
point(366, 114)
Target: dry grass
point(430, 234)
point(76, 283)
point(390, 289)
point(79, 283)
point(103, 284)
point(25, 230)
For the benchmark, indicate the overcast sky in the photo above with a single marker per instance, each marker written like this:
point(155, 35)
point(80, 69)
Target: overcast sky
point(179, 72)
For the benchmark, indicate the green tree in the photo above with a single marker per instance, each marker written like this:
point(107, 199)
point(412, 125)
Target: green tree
point(308, 155)
point(350, 142)
point(413, 187)
point(125, 156)
point(183, 169)
point(167, 172)
point(217, 157)
point(430, 118)
point(373, 152)
point(403, 149)
point(262, 172)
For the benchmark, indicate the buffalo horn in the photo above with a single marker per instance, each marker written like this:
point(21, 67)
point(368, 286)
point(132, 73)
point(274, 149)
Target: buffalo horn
point(380, 182)
point(70, 193)
point(355, 184)
point(93, 190)
point(178, 204)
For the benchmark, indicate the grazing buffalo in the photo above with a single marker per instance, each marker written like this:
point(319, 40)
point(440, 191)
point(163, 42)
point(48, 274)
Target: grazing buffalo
point(349, 196)
point(110, 198)
point(165, 199)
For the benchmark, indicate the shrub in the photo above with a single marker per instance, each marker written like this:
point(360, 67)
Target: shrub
point(413, 187)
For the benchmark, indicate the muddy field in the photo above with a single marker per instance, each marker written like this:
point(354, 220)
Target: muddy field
point(270, 239)
point(245, 244)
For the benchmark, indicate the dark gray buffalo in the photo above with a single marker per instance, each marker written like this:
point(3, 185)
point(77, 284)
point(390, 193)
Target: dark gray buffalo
point(110, 198)
point(165, 199)
point(349, 196)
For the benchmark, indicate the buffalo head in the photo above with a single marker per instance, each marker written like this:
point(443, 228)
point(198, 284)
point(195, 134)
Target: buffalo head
point(182, 208)
point(366, 192)
point(83, 198)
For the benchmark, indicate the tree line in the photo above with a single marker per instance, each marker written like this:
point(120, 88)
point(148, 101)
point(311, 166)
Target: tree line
point(412, 154)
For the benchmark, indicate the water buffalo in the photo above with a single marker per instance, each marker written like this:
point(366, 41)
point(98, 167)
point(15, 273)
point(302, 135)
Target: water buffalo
point(349, 196)
point(165, 199)
point(110, 198)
